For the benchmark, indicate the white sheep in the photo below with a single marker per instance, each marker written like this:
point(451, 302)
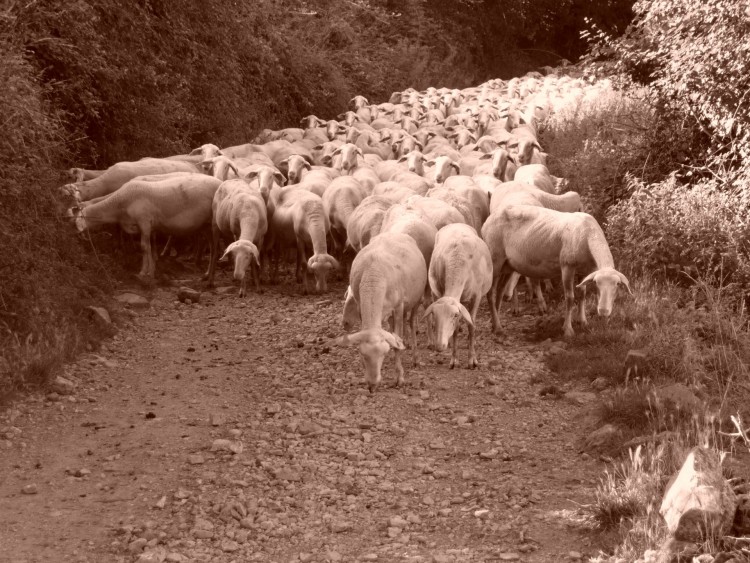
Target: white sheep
point(460, 275)
point(297, 218)
point(239, 213)
point(118, 174)
point(444, 166)
point(387, 280)
point(365, 221)
point(179, 204)
point(538, 243)
point(538, 175)
point(340, 200)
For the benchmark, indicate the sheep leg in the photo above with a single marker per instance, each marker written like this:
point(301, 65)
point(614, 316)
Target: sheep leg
point(492, 301)
point(581, 298)
point(398, 330)
point(167, 247)
point(146, 268)
point(474, 308)
point(568, 280)
point(515, 308)
point(302, 265)
point(213, 256)
point(541, 303)
point(454, 349)
point(531, 286)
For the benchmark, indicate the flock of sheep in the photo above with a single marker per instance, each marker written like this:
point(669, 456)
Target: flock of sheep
point(443, 195)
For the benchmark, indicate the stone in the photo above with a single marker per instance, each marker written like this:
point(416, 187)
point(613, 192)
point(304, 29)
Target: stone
point(133, 300)
point(155, 556)
point(223, 445)
point(136, 546)
point(63, 386)
point(30, 489)
point(600, 384)
point(509, 556)
point(185, 293)
point(339, 527)
point(287, 475)
point(229, 546)
point(397, 522)
point(161, 503)
point(699, 503)
point(100, 314)
point(580, 397)
point(195, 459)
point(603, 438)
point(217, 418)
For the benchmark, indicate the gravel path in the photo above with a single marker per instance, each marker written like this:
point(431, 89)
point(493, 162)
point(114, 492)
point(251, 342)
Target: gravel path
point(230, 431)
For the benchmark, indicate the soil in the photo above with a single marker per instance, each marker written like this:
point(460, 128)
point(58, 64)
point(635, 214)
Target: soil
point(233, 430)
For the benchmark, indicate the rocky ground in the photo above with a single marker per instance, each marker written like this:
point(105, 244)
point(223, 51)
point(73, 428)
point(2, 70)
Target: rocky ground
point(230, 430)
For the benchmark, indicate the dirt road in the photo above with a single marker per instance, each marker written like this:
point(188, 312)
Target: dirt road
point(231, 431)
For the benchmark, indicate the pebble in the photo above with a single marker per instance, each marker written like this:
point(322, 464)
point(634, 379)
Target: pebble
point(195, 459)
point(136, 546)
point(509, 556)
point(30, 489)
point(161, 503)
point(339, 527)
point(217, 419)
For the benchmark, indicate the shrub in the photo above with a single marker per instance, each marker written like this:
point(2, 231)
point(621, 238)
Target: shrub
point(680, 232)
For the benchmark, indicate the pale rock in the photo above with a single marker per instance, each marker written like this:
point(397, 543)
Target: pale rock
point(161, 503)
point(136, 546)
point(100, 314)
point(340, 527)
point(195, 459)
point(217, 418)
point(229, 546)
point(603, 438)
point(133, 300)
point(153, 556)
point(509, 556)
point(62, 386)
point(580, 397)
point(30, 489)
point(678, 396)
point(698, 502)
point(185, 293)
point(224, 445)
point(397, 522)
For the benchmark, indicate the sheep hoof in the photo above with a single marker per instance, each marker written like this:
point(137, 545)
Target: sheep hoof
point(371, 387)
point(473, 364)
point(453, 363)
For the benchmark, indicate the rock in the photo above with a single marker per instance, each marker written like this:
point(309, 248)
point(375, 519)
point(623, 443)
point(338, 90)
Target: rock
point(63, 386)
point(580, 397)
point(575, 555)
point(136, 546)
point(195, 459)
point(217, 418)
point(223, 445)
point(509, 556)
point(174, 557)
point(698, 501)
point(339, 527)
point(287, 475)
point(482, 513)
point(100, 314)
point(203, 534)
point(229, 546)
point(182, 494)
point(185, 293)
point(490, 454)
point(603, 438)
point(155, 556)
point(369, 557)
point(161, 503)
point(397, 522)
point(133, 300)
point(30, 489)
point(600, 384)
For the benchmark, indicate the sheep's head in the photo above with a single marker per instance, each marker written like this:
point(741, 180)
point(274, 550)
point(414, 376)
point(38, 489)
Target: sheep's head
point(334, 128)
point(244, 253)
point(295, 164)
point(266, 177)
point(70, 190)
point(358, 102)
point(206, 151)
point(526, 151)
point(76, 174)
point(444, 167)
point(321, 264)
point(607, 281)
point(310, 122)
point(373, 345)
point(349, 153)
point(414, 161)
point(447, 313)
point(348, 117)
point(351, 310)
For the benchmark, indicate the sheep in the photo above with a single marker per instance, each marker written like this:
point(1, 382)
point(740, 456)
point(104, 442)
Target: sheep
point(221, 167)
point(367, 178)
point(458, 202)
point(311, 122)
point(317, 181)
point(444, 167)
point(477, 198)
point(437, 211)
point(365, 221)
point(387, 280)
point(264, 177)
point(460, 275)
point(394, 191)
point(339, 201)
point(538, 243)
point(502, 165)
point(348, 162)
point(295, 164)
point(206, 151)
point(402, 219)
point(78, 175)
point(538, 175)
point(414, 162)
point(118, 174)
point(177, 205)
point(239, 212)
point(297, 217)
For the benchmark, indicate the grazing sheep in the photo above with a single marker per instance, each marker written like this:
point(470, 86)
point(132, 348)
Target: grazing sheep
point(538, 175)
point(366, 220)
point(179, 204)
point(239, 213)
point(78, 175)
point(116, 175)
point(297, 218)
point(538, 243)
point(387, 280)
point(460, 275)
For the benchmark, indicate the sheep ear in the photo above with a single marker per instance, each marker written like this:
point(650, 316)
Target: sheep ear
point(586, 280)
point(228, 252)
point(341, 116)
point(485, 156)
point(403, 159)
point(233, 167)
point(279, 177)
point(359, 152)
point(537, 145)
point(465, 314)
point(457, 167)
point(336, 152)
point(318, 147)
point(429, 162)
point(252, 175)
point(307, 164)
point(393, 340)
point(327, 159)
point(427, 312)
point(624, 281)
point(195, 152)
point(349, 339)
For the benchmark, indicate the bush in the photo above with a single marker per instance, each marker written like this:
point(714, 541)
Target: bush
point(683, 232)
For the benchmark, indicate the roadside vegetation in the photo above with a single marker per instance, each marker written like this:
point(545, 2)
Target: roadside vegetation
point(661, 161)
